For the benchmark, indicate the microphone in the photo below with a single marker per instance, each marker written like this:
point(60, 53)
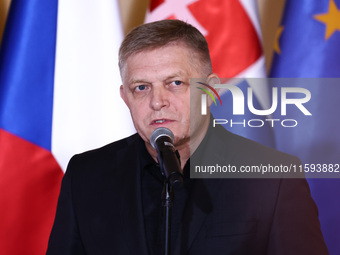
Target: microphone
point(162, 140)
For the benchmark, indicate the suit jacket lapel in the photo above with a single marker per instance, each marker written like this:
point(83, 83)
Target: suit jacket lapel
point(199, 206)
point(131, 203)
point(201, 199)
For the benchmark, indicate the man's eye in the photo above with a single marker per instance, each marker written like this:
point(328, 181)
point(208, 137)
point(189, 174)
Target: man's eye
point(177, 83)
point(140, 87)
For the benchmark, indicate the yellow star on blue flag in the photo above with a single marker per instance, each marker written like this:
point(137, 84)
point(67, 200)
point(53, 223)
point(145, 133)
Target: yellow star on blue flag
point(310, 48)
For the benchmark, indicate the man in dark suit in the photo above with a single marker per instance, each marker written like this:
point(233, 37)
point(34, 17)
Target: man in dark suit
point(110, 200)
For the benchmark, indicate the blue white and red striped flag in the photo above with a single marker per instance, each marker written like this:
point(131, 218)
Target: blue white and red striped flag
point(59, 95)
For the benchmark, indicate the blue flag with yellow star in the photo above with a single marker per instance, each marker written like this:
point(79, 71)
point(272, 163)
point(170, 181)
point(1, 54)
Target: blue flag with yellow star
point(308, 46)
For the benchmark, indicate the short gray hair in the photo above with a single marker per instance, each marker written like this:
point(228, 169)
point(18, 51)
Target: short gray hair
point(160, 33)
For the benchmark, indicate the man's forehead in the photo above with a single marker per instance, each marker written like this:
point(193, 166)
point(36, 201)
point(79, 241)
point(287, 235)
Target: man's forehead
point(148, 48)
point(165, 64)
point(149, 78)
point(160, 49)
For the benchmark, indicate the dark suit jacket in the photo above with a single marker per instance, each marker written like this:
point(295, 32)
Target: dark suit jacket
point(100, 206)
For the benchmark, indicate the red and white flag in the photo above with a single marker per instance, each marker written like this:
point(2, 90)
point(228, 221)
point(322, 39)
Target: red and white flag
point(231, 28)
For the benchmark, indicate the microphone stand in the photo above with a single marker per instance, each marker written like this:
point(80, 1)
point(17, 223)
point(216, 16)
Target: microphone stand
point(169, 161)
point(167, 203)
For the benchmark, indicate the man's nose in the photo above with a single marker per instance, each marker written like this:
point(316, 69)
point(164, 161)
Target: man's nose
point(159, 98)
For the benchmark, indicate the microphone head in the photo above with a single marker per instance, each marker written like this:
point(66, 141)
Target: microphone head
point(159, 132)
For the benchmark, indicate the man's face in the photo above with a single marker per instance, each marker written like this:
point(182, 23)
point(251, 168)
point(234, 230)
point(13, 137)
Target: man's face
point(156, 88)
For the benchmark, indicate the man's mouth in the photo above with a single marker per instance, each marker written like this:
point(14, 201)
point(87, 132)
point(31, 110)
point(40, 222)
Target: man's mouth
point(159, 121)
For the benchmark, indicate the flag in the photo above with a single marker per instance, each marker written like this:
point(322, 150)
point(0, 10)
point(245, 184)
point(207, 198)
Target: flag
point(307, 46)
point(59, 95)
point(231, 28)
point(233, 33)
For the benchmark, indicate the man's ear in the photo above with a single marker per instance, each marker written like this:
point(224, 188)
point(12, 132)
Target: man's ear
point(212, 80)
point(122, 95)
